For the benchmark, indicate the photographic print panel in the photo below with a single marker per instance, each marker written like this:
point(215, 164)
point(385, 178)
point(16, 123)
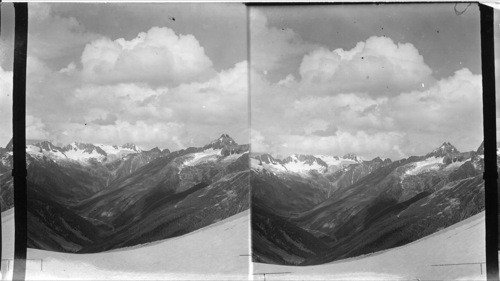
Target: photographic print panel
point(367, 141)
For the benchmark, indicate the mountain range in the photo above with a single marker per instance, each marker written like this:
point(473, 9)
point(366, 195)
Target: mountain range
point(305, 209)
point(315, 209)
point(91, 197)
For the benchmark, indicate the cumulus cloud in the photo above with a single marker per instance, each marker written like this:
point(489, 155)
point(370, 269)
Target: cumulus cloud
point(189, 114)
point(414, 122)
point(274, 48)
point(449, 110)
point(259, 142)
point(220, 100)
point(378, 65)
point(330, 130)
point(158, 56)
point(125, 101)
point(158, 88)
point(110, 119)
point(378, 98)
point(35, 128)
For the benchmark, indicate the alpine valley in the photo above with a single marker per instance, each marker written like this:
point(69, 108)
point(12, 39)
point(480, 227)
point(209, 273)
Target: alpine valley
point(309, 210)
point(85, 198)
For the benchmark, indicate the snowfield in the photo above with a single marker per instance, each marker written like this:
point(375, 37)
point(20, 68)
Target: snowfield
point(429, 164)
point(300, 167)
point(217, 252)
point(454, 165)
point(426, 259)
point(114, 149)
point(80, 155)
point(207, 155)
point(221, 251)
point(337, 161)
point(272, 167)
point(37, 152)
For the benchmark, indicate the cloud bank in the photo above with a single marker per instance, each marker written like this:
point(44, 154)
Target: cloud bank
point(158, 88)
point(378, 98)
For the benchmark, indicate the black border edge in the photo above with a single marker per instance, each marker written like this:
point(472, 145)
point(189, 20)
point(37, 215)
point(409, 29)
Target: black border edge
point(19, 171)
point(1, 226)
point(490, 175)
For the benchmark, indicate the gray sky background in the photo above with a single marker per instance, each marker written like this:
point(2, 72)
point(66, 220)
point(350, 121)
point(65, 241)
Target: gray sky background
point(376, 80)
point(168, 75)
point(387, 80)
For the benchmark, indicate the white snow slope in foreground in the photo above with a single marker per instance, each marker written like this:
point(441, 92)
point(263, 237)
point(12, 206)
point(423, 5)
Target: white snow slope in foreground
point(459, 243)
point(220, 252)
point(217, 252)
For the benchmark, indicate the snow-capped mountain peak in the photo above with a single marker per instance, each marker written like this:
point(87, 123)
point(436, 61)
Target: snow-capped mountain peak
point(295, 163)
point(223, 141)
point(267, 159)
point(300, 163)
point(346, 160)
point(45, 148)
point(119, 150)
point(80, 152)
point(83, 152)
point(132, 147)
point(352, 156)
point(306, 159)
point(48, 146)
point(445, 149)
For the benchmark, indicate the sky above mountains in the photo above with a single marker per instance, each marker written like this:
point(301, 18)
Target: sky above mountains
point(376, 80)
point(168, 75)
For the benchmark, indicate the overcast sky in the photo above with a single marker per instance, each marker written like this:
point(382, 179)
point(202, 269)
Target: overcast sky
point(167, 75)
point(375, 80)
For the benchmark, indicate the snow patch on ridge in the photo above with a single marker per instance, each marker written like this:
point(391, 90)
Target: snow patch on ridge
point(336, 161)
point(38, 152)
point(454, 165)
point(255, 164)
point(234, 156)
point(207, 155)
point(80, 155)
point(301, 167)
point(117, 151)
point(429, 164)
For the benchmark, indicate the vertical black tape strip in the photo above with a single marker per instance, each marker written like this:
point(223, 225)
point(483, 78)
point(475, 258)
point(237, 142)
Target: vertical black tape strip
point(490, 155)
point(1, 230)
point(19, 139)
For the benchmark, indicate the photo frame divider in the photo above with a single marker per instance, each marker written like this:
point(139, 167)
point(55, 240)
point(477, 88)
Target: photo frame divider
point(490, 175)
point(19, 171)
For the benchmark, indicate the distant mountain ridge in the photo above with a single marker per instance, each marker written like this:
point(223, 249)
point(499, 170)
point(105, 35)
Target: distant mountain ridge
point(93, 197)
point(355, 207)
